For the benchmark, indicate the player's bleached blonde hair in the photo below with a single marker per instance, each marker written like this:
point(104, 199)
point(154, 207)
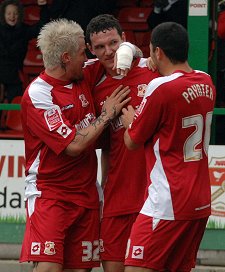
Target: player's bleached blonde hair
point(57, 37)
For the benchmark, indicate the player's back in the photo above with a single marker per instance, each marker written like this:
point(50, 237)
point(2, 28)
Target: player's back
point(180, 143)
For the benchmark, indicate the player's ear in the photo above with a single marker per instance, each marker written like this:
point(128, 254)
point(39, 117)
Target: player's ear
point(158, 52)
point(65, 58)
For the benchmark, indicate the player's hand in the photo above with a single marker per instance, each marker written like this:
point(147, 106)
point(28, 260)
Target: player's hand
point(115, 102)
point(150, 64)
point(120, 71)
point(123, 58)
point(128, 116)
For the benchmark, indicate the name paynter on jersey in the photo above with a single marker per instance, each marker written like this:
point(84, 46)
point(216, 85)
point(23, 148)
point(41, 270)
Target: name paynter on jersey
point(198, 90)
point(90, 117)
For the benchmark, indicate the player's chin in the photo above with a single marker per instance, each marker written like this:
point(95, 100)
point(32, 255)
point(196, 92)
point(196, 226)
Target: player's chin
point(109, 64)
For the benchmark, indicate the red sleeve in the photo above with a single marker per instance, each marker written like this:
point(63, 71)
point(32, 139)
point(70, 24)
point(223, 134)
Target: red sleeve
point(58, 136)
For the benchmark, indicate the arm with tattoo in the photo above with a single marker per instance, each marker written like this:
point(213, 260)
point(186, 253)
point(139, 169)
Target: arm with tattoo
point(87, 136)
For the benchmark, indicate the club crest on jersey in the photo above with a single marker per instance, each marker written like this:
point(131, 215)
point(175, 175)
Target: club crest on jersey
point(53, 118)
point(137, 252)
point(141, 90)
point(35, 248)
point(49, 248)
point(83, 100)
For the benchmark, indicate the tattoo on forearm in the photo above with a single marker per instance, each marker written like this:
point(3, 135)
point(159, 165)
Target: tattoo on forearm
point(78, 133)
point(100, 119)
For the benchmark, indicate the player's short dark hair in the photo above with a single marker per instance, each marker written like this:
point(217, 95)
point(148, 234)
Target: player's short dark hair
point(172, 38)
point(101, 23)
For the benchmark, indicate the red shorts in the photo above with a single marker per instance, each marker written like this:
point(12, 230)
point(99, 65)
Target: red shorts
point(114, 234)
point(172, 245)
point(61, 232)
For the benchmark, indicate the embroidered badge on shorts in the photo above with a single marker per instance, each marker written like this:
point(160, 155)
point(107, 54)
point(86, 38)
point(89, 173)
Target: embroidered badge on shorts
point(138, 252)
point(49, 248)
point(35, 248)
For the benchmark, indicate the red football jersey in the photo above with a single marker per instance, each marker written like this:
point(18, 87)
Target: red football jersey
point(126, 181)
point(174, 122)
point(52, 111)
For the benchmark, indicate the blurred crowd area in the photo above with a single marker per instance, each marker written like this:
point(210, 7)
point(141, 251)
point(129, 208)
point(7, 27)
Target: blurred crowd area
point(21, 60)
point(19, 51)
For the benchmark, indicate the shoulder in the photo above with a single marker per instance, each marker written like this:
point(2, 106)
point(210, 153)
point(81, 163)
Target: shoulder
point(39, 93)
point(159, 82)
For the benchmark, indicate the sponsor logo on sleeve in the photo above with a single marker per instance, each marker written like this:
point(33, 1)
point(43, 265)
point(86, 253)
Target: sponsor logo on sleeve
point(64, 130)
point(53, 118)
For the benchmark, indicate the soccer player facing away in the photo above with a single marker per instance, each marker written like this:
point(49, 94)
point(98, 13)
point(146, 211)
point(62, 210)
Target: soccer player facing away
point(173, 122)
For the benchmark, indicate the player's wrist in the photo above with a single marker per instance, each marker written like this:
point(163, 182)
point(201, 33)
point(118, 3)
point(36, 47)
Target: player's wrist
point(105, 117)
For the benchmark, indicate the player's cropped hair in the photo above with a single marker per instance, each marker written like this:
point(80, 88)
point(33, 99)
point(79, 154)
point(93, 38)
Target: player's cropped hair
point(101, 23)
point(16, 3)
point(172, 38)
point(57, 37)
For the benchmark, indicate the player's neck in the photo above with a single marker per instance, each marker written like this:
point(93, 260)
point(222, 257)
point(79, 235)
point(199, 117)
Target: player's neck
point(57, 73)
point(171, 68)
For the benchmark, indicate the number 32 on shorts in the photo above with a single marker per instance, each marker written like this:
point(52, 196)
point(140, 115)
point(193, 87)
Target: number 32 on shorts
point(90, 251)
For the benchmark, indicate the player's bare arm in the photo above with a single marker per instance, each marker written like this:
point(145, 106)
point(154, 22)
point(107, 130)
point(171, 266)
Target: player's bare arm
point(112, 107)
point(127, 118)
